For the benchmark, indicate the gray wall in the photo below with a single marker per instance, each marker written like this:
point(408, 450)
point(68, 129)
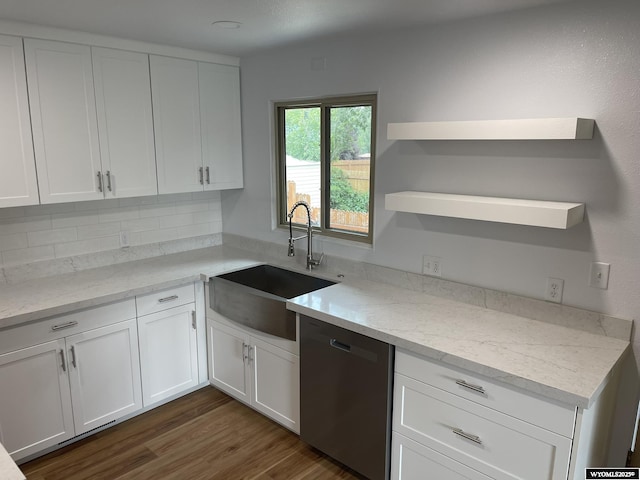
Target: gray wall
point(575, 59)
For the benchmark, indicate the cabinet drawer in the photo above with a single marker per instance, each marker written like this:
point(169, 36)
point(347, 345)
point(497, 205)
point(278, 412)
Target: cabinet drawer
point(485, 440)
point(557, 417)
point(163, 299)
point(412, 461)
point(60, 326)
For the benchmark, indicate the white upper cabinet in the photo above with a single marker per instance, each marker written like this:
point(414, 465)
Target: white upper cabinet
point(18, 185)
point(176, 114)
point(196, 112)
point(125, 122)
point(63, 115)
point(221, 126)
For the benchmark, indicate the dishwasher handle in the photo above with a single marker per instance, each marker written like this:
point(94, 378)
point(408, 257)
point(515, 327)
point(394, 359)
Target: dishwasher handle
point(339, 345)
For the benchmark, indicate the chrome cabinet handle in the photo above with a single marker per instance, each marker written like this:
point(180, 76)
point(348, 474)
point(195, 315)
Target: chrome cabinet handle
point(471, 386)
point(468, 436)
point(201, 176)
point(168, 299)
point(193, 319)
point(62, 326)
point(64, 363)
point(109, 181)
point(245, 352)
point(250, 349)
point(100, 182)
point(208, 175)
point(73, 357)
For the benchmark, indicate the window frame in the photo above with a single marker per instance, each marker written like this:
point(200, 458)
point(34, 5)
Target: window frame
point(324, 103)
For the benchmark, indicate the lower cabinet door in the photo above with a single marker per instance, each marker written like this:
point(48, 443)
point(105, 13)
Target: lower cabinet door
point(168, 353)
point(412, 461)
point(276, 383)
point(228, 353)
point(35, 401)
point(104, 372)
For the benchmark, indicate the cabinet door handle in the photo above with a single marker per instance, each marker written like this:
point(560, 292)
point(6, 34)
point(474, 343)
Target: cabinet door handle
point(193, 319)
point(201, 176)
point(168, 299)
point(64, 363)
point(73, 357)
point(250, 349)
point(62, 326)
point(208, 175)
point(109, 181)
point(471, 386)
point(245, 352)
point(100, 182)
point(468, 436)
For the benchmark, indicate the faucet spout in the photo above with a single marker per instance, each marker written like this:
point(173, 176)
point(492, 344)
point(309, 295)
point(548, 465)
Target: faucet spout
point(311, 262)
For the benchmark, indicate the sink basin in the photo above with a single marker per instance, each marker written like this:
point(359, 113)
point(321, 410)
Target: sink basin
point(257, 296)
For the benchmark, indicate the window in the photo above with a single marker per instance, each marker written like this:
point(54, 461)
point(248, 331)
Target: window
point(325, 154)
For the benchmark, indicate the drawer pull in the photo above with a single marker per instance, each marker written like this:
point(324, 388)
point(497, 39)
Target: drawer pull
point(468, 436)
point(62, 326)
point(168, 299)
point(471, 386)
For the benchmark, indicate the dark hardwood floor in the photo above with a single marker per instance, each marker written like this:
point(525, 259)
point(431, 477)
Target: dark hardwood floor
point(204, 435)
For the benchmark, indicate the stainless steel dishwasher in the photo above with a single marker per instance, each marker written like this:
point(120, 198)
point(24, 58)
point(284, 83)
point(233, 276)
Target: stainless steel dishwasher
point(345, 396)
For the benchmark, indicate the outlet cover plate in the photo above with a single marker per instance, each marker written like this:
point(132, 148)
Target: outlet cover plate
point(599, 275)
point(432, 266)
point(555, 287)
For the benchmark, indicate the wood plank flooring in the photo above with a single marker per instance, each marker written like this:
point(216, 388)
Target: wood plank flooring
point(205, 435)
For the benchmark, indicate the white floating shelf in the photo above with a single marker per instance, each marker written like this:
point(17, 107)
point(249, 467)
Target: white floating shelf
point(522, 129)
point(492, 209)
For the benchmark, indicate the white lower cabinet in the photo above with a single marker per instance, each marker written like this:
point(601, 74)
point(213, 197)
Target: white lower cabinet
point(104, 373)
point(35, 400)
point(66, 375)
point(168, 352)
point(247, 366)
point(461, 427)
point(413, 461)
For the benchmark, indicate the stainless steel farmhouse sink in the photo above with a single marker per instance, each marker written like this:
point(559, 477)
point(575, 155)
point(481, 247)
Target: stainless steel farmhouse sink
point(257, 297)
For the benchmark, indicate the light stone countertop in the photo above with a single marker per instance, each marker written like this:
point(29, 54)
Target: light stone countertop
point(8, 468)
point(557, 362)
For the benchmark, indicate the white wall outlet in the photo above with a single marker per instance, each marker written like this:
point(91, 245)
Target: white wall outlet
point(432, 266)
point(555, 286)
point(124, 239)
point(599, 275)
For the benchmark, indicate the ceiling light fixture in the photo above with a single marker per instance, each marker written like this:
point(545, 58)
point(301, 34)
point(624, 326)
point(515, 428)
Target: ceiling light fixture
point(226, 24)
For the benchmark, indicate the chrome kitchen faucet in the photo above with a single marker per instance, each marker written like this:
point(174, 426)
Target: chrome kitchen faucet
point(311, 262)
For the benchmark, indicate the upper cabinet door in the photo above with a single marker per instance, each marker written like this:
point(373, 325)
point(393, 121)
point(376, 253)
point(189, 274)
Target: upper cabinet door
point(18, 184)
point(125, 122)
point(221, 125)
point(63, 115)
point(176, 115)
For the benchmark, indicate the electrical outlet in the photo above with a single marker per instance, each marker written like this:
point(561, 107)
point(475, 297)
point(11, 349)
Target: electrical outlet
point(124, 239)
point(432, 266)
point(555, 286)
point(599, 275)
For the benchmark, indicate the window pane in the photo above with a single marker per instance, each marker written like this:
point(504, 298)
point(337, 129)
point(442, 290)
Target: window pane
point(302, 166)
point(350, 157)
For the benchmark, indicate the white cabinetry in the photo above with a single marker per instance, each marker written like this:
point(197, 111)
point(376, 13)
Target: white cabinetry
point(197, 125)
point(63, 115)
point(168, 343)
point(18, 185)
point(104, 374)
point(78, 369)
point(125, 122)
point(249, 366)
point(480, 427)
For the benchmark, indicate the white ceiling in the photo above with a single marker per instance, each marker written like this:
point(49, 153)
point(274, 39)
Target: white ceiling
point(265, 23)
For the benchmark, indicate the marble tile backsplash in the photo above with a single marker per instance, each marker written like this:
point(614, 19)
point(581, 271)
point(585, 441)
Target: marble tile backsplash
point(572, 317)
point(46, 240)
